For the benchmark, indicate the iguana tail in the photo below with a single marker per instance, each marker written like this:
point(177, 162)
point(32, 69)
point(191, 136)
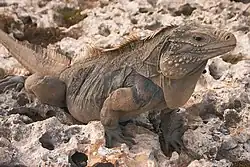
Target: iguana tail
point(35, 59)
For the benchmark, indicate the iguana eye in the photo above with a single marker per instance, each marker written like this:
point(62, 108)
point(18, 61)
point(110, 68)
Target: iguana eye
point(198, 38)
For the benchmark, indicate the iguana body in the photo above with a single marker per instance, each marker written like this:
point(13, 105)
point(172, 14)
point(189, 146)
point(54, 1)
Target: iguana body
point(155, 73)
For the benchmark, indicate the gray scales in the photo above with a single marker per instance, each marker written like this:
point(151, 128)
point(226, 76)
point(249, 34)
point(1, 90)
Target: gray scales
point(158, 72)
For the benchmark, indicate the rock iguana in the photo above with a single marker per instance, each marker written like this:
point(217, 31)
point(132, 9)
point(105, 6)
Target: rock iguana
point(158, 72)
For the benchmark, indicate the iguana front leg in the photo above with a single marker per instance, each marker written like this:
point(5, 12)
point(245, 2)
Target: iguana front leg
point(171, 129)
point(47, 89)
point(138, 95)
point(169, 125)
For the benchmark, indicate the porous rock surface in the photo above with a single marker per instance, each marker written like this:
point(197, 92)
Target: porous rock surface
point(217, 115)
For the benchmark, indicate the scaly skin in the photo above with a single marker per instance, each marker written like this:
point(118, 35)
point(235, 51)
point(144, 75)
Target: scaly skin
point(156, 73)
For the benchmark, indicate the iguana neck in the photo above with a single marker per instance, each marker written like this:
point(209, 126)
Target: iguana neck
point(178, 91)
point(148, 56)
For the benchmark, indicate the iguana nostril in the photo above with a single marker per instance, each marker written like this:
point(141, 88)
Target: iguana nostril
point(227, 37)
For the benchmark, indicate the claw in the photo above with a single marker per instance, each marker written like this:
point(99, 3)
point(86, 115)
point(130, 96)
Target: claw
point(5, 79)
point(123, 139)
point(108, 141)
point(176, 146)
point(19, 86)
point(112, 135)
point(10, 86)
point(9, 82)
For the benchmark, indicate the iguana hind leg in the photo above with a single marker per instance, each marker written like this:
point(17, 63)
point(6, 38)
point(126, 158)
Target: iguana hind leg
point(139, 95)
point(47, 89)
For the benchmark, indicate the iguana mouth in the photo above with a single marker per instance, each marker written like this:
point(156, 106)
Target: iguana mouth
point(223, 47)
point(211, 50)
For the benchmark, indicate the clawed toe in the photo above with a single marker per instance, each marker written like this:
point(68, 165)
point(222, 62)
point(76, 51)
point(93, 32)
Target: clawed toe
point(177, 145)
point(10, 82)
point(116, 135)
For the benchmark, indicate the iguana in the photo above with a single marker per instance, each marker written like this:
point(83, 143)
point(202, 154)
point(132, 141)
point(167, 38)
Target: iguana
point(158, 72)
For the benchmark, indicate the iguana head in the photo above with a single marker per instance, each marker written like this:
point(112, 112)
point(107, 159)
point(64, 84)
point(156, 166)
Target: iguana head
point(188, 47)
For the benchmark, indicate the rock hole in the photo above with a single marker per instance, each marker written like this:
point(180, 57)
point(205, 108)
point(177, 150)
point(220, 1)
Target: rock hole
point(134, 21)
point(104, 30)
point(22, 99)
point(50, 113)
point(107, 164)
point(185, 9)
point(143, 10)
point(205, 121)
point(79, 159)
point(46, 141)
point(231, 117)
point(26, 19)
point(235, 104)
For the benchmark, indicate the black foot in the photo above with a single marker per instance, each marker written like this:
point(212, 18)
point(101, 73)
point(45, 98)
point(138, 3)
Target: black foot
point(172, 130)
point(117, 135)
point(16, 82)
